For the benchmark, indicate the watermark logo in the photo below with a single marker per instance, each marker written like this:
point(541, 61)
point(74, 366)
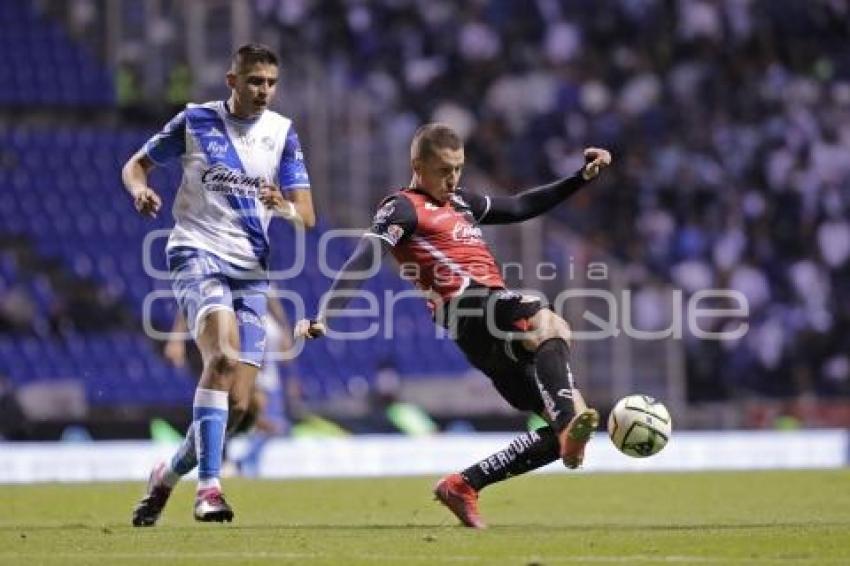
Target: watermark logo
point(594, 313)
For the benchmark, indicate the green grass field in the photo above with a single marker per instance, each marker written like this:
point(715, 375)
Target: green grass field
point(705, 518)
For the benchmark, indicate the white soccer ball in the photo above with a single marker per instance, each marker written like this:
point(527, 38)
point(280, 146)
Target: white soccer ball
point(639, 426)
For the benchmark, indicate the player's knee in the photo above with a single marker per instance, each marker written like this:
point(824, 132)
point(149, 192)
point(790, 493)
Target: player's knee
point(563, 330)
point(550, 325)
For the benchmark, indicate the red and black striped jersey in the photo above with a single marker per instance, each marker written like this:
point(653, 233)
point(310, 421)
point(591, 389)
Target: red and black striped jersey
point(439, 247)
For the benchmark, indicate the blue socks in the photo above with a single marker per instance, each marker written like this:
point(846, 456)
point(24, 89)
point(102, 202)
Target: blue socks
point(209, 415)
point(184, 461)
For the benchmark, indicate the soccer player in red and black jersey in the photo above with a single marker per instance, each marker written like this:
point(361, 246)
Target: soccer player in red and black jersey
point(432, 229)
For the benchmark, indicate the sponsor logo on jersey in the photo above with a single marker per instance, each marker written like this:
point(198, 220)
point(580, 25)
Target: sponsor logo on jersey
point(465, 232)
point(214, 133)
point(222, 179)
point(431, 206)
point(217, 148)
point(268, 143)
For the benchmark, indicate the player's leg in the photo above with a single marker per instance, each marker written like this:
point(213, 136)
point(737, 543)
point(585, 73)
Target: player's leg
point(241, 412)
point(250, 304)
point(548, 336)
point(516, 373)
point(186, 458)
point(165, 475)
point(513, 376)
point(248, 464)
point(529, 451)
point(512, 370)
point(269, 406)
point(218, 341)
point(201, 292)
point(232, 345)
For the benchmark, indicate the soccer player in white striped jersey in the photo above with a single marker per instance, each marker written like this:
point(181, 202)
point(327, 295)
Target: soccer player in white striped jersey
point(242, 165)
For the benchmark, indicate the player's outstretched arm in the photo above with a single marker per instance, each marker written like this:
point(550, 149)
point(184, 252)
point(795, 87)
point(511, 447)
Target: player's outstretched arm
point(536, 201)
point(360, 266)
point(134, 174)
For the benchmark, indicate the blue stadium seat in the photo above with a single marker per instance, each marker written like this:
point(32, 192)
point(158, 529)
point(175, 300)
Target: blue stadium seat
point(44, 66)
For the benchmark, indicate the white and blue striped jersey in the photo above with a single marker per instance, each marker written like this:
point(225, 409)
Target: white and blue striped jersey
point(226, 160)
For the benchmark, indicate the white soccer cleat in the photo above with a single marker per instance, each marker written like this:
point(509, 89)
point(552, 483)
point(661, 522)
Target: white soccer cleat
point(210, 506)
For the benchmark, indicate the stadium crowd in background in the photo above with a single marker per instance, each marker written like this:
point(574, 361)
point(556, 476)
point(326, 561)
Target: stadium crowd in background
point(731, 120)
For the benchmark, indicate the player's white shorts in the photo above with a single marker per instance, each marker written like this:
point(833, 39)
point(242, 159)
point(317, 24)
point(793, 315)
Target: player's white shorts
point(203, 282)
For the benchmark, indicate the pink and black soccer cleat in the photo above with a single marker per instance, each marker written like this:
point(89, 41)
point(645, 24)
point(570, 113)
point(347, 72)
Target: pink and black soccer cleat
point(150, 507)
point(576, 435)
point(461, 499)
point(210, 506)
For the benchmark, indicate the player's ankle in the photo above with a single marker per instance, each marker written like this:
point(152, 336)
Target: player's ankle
point(209, 483)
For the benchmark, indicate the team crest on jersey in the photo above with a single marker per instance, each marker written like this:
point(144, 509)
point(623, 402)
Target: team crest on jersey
point(431, 206)
point(268, 143)
point(395, 233)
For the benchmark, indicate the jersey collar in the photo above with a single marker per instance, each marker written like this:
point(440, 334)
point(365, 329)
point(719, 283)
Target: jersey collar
point(237, 119)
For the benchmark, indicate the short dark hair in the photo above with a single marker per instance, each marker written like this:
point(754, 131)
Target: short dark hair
point(251, 54)
point(433, 137)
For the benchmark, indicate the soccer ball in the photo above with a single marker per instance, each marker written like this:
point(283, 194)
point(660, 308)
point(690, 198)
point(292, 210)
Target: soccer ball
point(639, 426)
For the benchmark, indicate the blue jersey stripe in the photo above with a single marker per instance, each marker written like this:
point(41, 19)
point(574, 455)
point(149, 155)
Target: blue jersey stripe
point(168, 143)
point(292, 171)
point(207, 127)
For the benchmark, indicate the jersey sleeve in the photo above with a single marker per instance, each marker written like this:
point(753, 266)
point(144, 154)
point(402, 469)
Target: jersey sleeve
point(169, 143)
point(395, 222)
point(479, 204)
point(292, 172)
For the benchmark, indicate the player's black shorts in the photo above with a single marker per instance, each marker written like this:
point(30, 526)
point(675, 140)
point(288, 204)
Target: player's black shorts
point(502, 358)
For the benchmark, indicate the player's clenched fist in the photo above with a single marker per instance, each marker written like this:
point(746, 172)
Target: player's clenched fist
point(306, 328)
point(595, 159)
point(147, 202)
point(271, 196)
